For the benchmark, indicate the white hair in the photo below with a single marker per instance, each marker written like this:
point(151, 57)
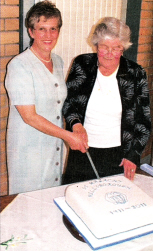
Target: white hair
point(112, 28)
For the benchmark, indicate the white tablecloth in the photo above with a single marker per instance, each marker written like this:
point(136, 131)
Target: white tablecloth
point(34, 214)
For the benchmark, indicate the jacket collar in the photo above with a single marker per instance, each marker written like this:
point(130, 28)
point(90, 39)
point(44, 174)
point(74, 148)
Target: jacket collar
point(123, 68)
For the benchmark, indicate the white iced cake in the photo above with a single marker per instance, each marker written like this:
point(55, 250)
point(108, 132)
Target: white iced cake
point(110, 205)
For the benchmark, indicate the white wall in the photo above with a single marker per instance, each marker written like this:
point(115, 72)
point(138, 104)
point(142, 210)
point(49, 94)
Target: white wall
point(78, 18)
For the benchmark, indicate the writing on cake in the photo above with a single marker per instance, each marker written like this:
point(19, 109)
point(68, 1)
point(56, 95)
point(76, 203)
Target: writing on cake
point(92, 186)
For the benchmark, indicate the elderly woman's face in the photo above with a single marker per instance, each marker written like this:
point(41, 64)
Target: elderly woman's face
point(109, 52)
point(45, 34)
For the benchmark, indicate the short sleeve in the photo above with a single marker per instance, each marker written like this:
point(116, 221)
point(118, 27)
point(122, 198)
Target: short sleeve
point(19, 83)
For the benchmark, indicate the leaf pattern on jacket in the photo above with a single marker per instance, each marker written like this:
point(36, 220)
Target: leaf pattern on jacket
point(133, 87)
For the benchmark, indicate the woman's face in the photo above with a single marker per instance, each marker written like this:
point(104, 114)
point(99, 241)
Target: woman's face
point(45, 34)
point(109, 52)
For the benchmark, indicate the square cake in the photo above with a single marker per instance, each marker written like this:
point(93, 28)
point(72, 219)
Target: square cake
point(110, 205)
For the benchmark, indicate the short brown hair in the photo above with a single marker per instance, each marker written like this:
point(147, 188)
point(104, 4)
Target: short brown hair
point(44, 8)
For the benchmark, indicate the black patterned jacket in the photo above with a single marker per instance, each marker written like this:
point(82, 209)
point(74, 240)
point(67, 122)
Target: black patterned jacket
point(133, 87)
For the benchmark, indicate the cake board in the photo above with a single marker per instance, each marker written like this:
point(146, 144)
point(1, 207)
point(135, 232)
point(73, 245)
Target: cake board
point(90, 239)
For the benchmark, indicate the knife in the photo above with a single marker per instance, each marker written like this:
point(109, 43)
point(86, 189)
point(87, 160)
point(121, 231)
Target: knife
point(92, 164)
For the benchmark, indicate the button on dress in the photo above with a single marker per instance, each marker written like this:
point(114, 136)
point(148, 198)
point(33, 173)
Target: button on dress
point(32, 156)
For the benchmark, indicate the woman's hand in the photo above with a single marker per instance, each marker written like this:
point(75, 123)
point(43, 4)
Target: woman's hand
point(79, 138)
point(77, 142)
point(78, 128)
point(129, 168)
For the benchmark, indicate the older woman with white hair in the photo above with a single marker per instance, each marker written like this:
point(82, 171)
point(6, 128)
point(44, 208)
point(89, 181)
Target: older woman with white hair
point(108, 104)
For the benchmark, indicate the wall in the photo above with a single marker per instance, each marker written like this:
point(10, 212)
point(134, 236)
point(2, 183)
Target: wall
point(9, 47)
point(145, 53)
point(78, 18)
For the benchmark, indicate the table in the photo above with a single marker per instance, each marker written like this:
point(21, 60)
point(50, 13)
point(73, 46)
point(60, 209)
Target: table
point(5, 200)
point(34, 214)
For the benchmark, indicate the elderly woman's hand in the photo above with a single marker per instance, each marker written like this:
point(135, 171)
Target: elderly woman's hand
point(129, 168)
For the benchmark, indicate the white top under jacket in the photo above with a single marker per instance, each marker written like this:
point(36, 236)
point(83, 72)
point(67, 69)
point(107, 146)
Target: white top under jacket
point(103, 114)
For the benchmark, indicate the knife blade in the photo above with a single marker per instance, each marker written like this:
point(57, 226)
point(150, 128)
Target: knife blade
point(92, 164)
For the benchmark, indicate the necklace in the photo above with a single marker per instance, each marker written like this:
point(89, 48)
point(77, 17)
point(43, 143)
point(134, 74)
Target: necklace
point(47, 61)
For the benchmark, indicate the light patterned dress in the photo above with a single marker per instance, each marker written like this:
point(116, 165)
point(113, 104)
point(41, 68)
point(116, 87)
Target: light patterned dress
point(34, 159)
